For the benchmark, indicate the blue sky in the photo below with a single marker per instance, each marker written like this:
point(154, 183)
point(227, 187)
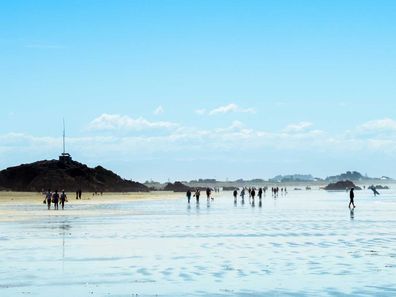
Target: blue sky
point(191, 89)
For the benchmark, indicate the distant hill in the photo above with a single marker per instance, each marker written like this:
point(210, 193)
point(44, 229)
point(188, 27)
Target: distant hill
point(69, 175)
point(349, 175)
point(293, 178)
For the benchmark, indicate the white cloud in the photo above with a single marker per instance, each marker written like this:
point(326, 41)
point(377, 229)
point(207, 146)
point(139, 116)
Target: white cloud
point(159, 110)
point(232, 107)
point(298, 127)
point(122, 122)
point(381, 125)
point(235, 137)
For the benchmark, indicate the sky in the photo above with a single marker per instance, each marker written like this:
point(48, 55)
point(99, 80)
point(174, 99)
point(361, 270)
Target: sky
point(180, 90)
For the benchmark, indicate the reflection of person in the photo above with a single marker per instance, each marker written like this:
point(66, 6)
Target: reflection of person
point(351, 198)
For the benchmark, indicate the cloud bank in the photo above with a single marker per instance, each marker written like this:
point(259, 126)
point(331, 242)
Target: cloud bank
point(117, 122)
point(225, 109)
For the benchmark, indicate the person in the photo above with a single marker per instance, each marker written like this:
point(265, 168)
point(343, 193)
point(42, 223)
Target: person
point(260, 193)
point(188, 196)
point(55, 199)
point(197, 194)
point(235, 193)
point(76, 194)
point(48, 197)
point(208, 193)
point(79, 194)
point(351, 198)
point(253, 194)
point(243, 194)
point(63, 198)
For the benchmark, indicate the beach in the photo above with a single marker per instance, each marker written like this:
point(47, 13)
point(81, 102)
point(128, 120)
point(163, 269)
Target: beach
point(305, 243)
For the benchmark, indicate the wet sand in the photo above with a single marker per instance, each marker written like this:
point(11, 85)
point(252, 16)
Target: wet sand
point(16, 206)
point(307, 243)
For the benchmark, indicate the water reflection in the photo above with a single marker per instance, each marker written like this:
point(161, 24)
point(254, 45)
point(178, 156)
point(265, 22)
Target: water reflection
point(352, 213)
point(65, 227)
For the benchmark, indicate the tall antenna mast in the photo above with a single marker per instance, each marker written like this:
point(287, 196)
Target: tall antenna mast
point(64, 135)
point(64, 157)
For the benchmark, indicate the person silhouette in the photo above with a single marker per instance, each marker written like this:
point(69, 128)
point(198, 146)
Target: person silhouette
point(197, 194)
point(253, 194)
point(208, 193)
point(55, 199)
point(63, 198)
point(351, 198)
point(48, 198)
point(188, 196)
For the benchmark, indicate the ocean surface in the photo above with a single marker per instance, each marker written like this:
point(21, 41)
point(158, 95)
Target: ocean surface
point(306, 243)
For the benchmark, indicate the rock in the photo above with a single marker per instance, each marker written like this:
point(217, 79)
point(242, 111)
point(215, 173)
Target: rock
point(380, 187)
point(230, 188)
point(177, 187)
point(342, 186)
point(69, 176)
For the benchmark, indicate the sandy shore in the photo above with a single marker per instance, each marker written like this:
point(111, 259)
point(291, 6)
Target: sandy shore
point(16, 206)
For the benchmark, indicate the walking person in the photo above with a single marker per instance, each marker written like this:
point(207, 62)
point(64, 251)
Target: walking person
point(48, 198)
point(253, 194)
point(55, 199)
point(63, 199)
point(235, 194)
point(208, 193)
point(260, 193)
point(243, 195)
point(197, 194)
point(188, 196)
point(351, 198)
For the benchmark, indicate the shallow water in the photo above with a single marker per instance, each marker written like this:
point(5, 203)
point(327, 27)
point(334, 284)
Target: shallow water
point(307, 243)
